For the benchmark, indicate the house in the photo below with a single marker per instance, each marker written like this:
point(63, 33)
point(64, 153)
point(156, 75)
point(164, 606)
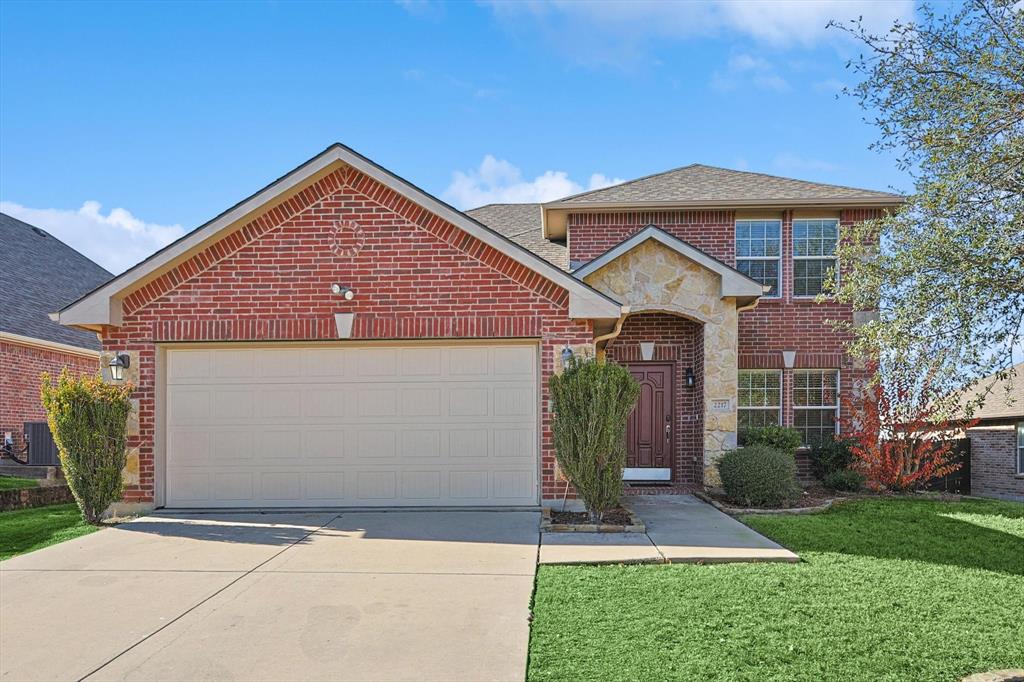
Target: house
point(997, 440)
point(341, 337)
point(39, 274)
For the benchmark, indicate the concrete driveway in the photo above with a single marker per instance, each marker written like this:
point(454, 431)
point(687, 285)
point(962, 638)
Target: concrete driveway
point(286, 596)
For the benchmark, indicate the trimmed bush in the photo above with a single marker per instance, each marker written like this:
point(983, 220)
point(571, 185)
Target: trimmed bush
point(846, 480)
point(591, 404)
point(759, 476)
point(777, 437)
point(89, 422)
point(830, 455)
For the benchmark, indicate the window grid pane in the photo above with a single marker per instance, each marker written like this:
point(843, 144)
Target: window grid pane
point(815, 238)
point(810, 275)
point(1020, 448)
point(759, 251)
point(815, 403)
point(755, 419)
point(760, 389)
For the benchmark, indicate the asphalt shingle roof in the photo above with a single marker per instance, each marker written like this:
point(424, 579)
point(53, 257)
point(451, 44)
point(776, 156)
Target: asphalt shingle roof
point(522, 224)
point(39, 274)
point(1005, 399)
point(697, 183)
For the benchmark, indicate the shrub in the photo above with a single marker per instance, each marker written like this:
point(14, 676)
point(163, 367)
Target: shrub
point(591, 405)
point(89, 422)
point(777, 437)
point(830, 455)
point(759, 476)
point(848, 480)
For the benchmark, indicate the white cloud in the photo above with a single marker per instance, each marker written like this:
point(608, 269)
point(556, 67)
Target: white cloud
point(497, 181)
point(619, 31)
point(743, 70)
point(116, 241)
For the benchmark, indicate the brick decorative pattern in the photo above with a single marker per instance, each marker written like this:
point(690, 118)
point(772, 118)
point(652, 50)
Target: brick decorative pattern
point(993, 462)
point(679, 341)
point(20, 367)
point(415, 277)
point(785, 323)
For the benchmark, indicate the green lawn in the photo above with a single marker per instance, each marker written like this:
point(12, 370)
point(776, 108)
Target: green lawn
point(894, 589)
point(15, 483)
point(25, 530)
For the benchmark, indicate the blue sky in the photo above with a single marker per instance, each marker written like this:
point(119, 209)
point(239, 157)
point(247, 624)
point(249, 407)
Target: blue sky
point(123, 125)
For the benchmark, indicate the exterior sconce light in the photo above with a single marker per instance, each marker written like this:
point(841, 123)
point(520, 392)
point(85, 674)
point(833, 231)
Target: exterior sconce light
point(118, 364)
point(691, 379)
point(567, 355)
point(344, 292)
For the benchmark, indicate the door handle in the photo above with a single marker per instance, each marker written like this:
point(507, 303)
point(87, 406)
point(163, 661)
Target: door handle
point(668, 431)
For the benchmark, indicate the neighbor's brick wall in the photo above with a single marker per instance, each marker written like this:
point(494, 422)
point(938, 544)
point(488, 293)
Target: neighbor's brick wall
point(993, 462)
point(680, 342)
point(786, 323)
point(20, 367)
point(415, 277)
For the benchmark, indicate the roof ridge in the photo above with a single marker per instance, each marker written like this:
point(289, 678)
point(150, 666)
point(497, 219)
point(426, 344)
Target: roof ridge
point(37, 229)
point(622, 184)
point(786, 177)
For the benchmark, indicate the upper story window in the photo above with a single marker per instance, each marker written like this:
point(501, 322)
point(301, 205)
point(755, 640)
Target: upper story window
point(759, 252)
point(814, 255)
point(816, 403)
point(760, 398)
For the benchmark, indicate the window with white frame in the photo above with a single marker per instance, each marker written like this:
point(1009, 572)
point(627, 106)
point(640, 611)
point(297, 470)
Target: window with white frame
point(816, 403)
point(759, 252)
point(760, 398)
point(814, 255)
point(1020, 448)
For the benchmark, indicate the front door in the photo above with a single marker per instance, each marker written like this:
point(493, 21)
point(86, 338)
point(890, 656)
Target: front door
point(649, 433)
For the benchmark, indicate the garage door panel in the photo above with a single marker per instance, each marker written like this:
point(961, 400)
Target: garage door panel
point(387, 426)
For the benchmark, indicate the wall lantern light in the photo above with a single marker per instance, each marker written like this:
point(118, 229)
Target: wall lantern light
point(691, 380)
point(118, 364)
point(344, 292)
point(566, 356)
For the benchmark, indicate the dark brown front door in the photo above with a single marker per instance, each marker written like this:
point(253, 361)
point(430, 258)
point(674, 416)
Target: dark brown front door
point(649, 434)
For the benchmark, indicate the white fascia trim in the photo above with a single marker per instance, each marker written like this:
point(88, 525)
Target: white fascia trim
point(734, 282)
point(48, 345)
point(103, 306)
point(835, 202)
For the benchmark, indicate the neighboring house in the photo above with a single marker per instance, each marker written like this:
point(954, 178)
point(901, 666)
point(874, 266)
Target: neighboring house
point(38, 274)
point(341, 337)
point(997, 440)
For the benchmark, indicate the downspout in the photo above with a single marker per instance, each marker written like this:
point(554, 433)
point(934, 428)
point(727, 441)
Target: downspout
point(601, 341)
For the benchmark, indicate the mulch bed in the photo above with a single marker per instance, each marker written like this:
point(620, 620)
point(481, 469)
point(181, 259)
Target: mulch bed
point(813, 497)
point(615, 517)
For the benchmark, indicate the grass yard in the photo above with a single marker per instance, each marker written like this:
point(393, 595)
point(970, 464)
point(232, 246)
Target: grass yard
point(15, 483)
point(25, 530)
point(897, 589)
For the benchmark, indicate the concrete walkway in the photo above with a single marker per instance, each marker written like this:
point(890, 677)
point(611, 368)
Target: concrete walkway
point(680, 529)
point(304, 596)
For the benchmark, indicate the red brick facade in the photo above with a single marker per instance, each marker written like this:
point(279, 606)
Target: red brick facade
point(994, 462)
point(681, 342)
point(20, 367)
point(415, 275)
point(785, 323)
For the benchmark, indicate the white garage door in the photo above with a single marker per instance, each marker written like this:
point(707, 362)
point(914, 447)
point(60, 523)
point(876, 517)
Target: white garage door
point(372, 426)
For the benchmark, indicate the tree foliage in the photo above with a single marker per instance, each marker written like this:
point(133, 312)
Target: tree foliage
point(947, 94)
point(591, 404)
point(898, 436)
point(89, 422)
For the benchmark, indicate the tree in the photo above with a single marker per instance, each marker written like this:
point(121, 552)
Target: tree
point(897, 435)
point(946, 271)
point(89, 422)
point(592, 401)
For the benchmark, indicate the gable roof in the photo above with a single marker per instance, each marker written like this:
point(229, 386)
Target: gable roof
point(522, 224)
point(734, 282)
point(708, 186)
point(102, 306)
point(1004, 398)
point(40, 273)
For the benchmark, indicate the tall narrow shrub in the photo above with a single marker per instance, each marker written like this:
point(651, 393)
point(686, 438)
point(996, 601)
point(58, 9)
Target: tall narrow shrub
point(89, 423)
point(591, 403)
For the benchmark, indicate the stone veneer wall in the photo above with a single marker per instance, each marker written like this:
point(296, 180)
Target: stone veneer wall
point(655, 278)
